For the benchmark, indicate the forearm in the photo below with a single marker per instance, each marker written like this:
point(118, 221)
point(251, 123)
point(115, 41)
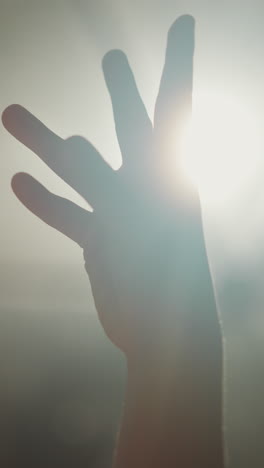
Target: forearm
point(173, 410)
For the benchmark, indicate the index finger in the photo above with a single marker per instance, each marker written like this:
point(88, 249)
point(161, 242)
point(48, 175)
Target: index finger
point(30, 131)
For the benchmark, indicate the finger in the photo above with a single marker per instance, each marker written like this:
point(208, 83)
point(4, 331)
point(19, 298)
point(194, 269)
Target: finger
point(173, 106)
point(75, 160)
point(89, 173)
point(61, 214)
point(133, 125)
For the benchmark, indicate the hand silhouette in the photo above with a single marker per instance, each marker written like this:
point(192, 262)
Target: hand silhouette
point(142, 253)
point(143, 245)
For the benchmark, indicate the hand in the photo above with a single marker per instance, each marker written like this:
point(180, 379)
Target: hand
point(144, 252)
point(145, 255)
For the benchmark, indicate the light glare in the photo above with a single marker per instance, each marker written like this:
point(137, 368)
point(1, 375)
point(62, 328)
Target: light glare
point(220, 149)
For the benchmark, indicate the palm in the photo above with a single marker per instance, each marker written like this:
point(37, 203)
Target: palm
point(143, 247)
point(134, 257)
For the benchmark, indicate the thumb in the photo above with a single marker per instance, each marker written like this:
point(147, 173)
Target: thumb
point(58, 212)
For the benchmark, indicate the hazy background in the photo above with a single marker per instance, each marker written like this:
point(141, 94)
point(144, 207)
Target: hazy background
point(61, 380)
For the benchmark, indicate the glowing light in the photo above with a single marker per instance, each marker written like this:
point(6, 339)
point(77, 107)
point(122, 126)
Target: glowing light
point(221, 148)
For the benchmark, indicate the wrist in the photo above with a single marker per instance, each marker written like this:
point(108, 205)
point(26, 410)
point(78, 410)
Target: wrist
point(173, 411)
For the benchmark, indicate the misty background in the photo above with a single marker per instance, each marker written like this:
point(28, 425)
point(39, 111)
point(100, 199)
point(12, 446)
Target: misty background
point(61, 380)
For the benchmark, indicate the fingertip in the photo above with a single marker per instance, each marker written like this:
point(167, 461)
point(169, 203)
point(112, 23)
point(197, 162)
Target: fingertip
point(17, 179)
point(187, 19)
point(113, 61)
point(20, 185)
point(26, 187)
point(16, 119)
point(184, 24)
point(8, 115)
point(113, 55)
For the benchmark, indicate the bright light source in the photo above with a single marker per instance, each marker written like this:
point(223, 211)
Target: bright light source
point(221, 147)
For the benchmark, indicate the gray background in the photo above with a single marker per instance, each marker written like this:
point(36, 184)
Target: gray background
point(51, 54)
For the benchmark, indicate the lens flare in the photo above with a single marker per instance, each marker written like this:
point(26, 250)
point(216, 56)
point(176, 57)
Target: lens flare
point(220, 147)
